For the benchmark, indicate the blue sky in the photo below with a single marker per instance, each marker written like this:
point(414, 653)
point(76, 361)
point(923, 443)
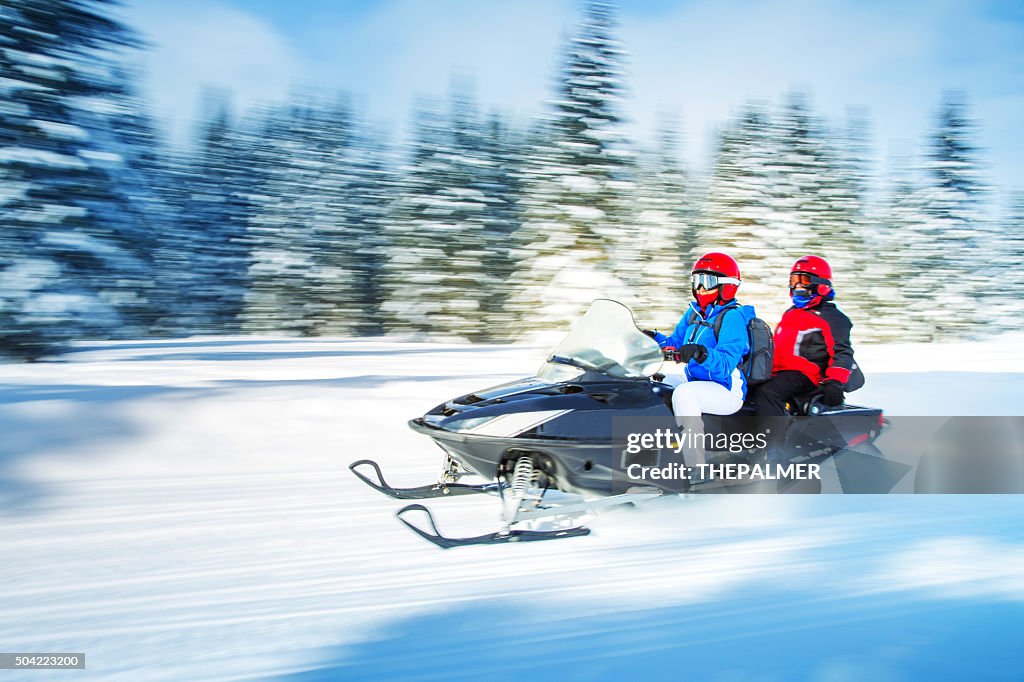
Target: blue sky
point(697, 60)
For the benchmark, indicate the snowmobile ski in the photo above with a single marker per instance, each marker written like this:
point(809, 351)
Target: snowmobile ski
point(496, 538)
point(439, 489)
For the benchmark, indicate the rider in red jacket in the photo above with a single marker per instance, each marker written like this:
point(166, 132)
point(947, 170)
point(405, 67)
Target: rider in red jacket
point(812, 342)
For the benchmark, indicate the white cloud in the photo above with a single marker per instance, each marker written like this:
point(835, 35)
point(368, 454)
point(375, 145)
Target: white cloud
point(405, 49)
point(699, 59)
point(203, 44)
point(706, 58)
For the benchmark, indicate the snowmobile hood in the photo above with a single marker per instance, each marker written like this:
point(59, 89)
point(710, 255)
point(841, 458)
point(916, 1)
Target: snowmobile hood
point(532, 408)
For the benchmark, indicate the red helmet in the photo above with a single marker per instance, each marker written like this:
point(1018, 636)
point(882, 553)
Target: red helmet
point(819, 272)
point(725, 272)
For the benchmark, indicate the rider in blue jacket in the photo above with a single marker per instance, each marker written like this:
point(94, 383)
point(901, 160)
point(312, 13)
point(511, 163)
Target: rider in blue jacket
point(711, 381)
point(722, 354)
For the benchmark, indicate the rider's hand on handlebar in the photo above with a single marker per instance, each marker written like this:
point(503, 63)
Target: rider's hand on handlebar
point(832, 393)
point(653, 333)
point(687, 352)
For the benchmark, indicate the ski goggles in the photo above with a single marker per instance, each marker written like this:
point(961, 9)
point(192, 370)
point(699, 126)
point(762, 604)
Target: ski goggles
point(803, 279)
point(709, 280)
point(800, 279)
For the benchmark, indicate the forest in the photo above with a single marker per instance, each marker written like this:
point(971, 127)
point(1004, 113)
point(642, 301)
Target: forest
point(304, 219)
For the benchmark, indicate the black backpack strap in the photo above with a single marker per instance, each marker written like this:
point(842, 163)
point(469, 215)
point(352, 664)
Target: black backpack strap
point(721, 319)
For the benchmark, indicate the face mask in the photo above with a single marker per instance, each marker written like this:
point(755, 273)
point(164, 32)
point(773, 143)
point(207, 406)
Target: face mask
point(703, 300)
point(801, 301)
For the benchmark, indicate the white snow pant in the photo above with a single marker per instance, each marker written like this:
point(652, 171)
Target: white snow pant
point(691, 399)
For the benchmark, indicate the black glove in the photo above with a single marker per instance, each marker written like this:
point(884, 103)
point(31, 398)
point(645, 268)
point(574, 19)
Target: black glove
point(653, 333)
point(687, 352)
point(832, 393)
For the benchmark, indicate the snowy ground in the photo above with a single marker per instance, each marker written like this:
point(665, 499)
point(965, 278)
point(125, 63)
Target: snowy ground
point(182, 510)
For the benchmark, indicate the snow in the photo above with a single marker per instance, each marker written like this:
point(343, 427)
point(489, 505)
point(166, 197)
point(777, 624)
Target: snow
point(180, 509)
point(108, 158)
point(11, 192)
point(27, 275)
point(584, 214)
point(39, 157)
point(61, 131)
point(580, 184)
point(79, 241)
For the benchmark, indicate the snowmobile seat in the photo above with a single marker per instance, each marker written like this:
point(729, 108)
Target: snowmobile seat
point(808, 404)
point(664, 391)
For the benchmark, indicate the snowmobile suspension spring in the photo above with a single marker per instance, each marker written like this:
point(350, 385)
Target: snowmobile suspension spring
point(522, 476)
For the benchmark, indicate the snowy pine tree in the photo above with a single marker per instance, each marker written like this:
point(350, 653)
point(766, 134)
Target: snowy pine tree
point(666, 221)
point(349, 229)
point(865, 289)
point(579, 239)
point(500, 181)
point(297, 245)
point(949, 236)
point(75, 250)
point(207, 256)
point(139, 169)
point(817, 210)
point(448, 231)
point(736, 215)
point(899, 216)
point(1004, 269)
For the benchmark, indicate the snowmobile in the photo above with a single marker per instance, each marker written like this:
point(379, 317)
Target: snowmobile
point(548, 445)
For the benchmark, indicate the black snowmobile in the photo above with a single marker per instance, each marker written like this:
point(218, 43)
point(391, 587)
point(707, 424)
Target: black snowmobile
point(551, 446)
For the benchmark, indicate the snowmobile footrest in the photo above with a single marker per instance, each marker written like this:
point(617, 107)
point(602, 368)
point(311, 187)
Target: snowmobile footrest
point(488, 539)
point(420, 492)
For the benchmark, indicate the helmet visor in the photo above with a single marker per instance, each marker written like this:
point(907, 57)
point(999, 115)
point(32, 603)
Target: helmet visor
point(709, 280)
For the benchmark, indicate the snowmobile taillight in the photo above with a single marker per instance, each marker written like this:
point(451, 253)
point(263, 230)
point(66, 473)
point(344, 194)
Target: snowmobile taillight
point(857, 440)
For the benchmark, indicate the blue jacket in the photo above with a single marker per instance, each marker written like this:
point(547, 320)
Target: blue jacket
point(725, 353)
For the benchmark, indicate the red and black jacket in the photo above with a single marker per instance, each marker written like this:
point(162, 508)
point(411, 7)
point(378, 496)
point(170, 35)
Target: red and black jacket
point(815, 341)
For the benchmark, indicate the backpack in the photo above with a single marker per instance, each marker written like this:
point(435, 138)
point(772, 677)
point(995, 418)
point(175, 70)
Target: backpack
point(756, 365)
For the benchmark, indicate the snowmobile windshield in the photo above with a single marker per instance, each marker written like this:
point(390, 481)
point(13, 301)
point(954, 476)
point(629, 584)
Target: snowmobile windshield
point(605, 339)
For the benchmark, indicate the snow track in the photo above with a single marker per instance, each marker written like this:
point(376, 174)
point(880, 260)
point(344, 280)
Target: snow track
point(207, 528)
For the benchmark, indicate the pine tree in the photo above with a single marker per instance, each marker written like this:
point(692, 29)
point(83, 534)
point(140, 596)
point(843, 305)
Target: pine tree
point(578, 236)
point(737, 215)
point(500, 181)
point(854, 149)
point(138, 167)
point(666, 220)
point(295, 275)
point(208, 254)
point(951, 234)
point(75, 260)
point(349, 230)
point(449, 227)
point(1004, 269)
point(817, 210)
point(866, 291)
point(901, 216)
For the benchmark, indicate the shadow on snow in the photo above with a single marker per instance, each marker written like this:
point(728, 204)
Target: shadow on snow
point(749, 636)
